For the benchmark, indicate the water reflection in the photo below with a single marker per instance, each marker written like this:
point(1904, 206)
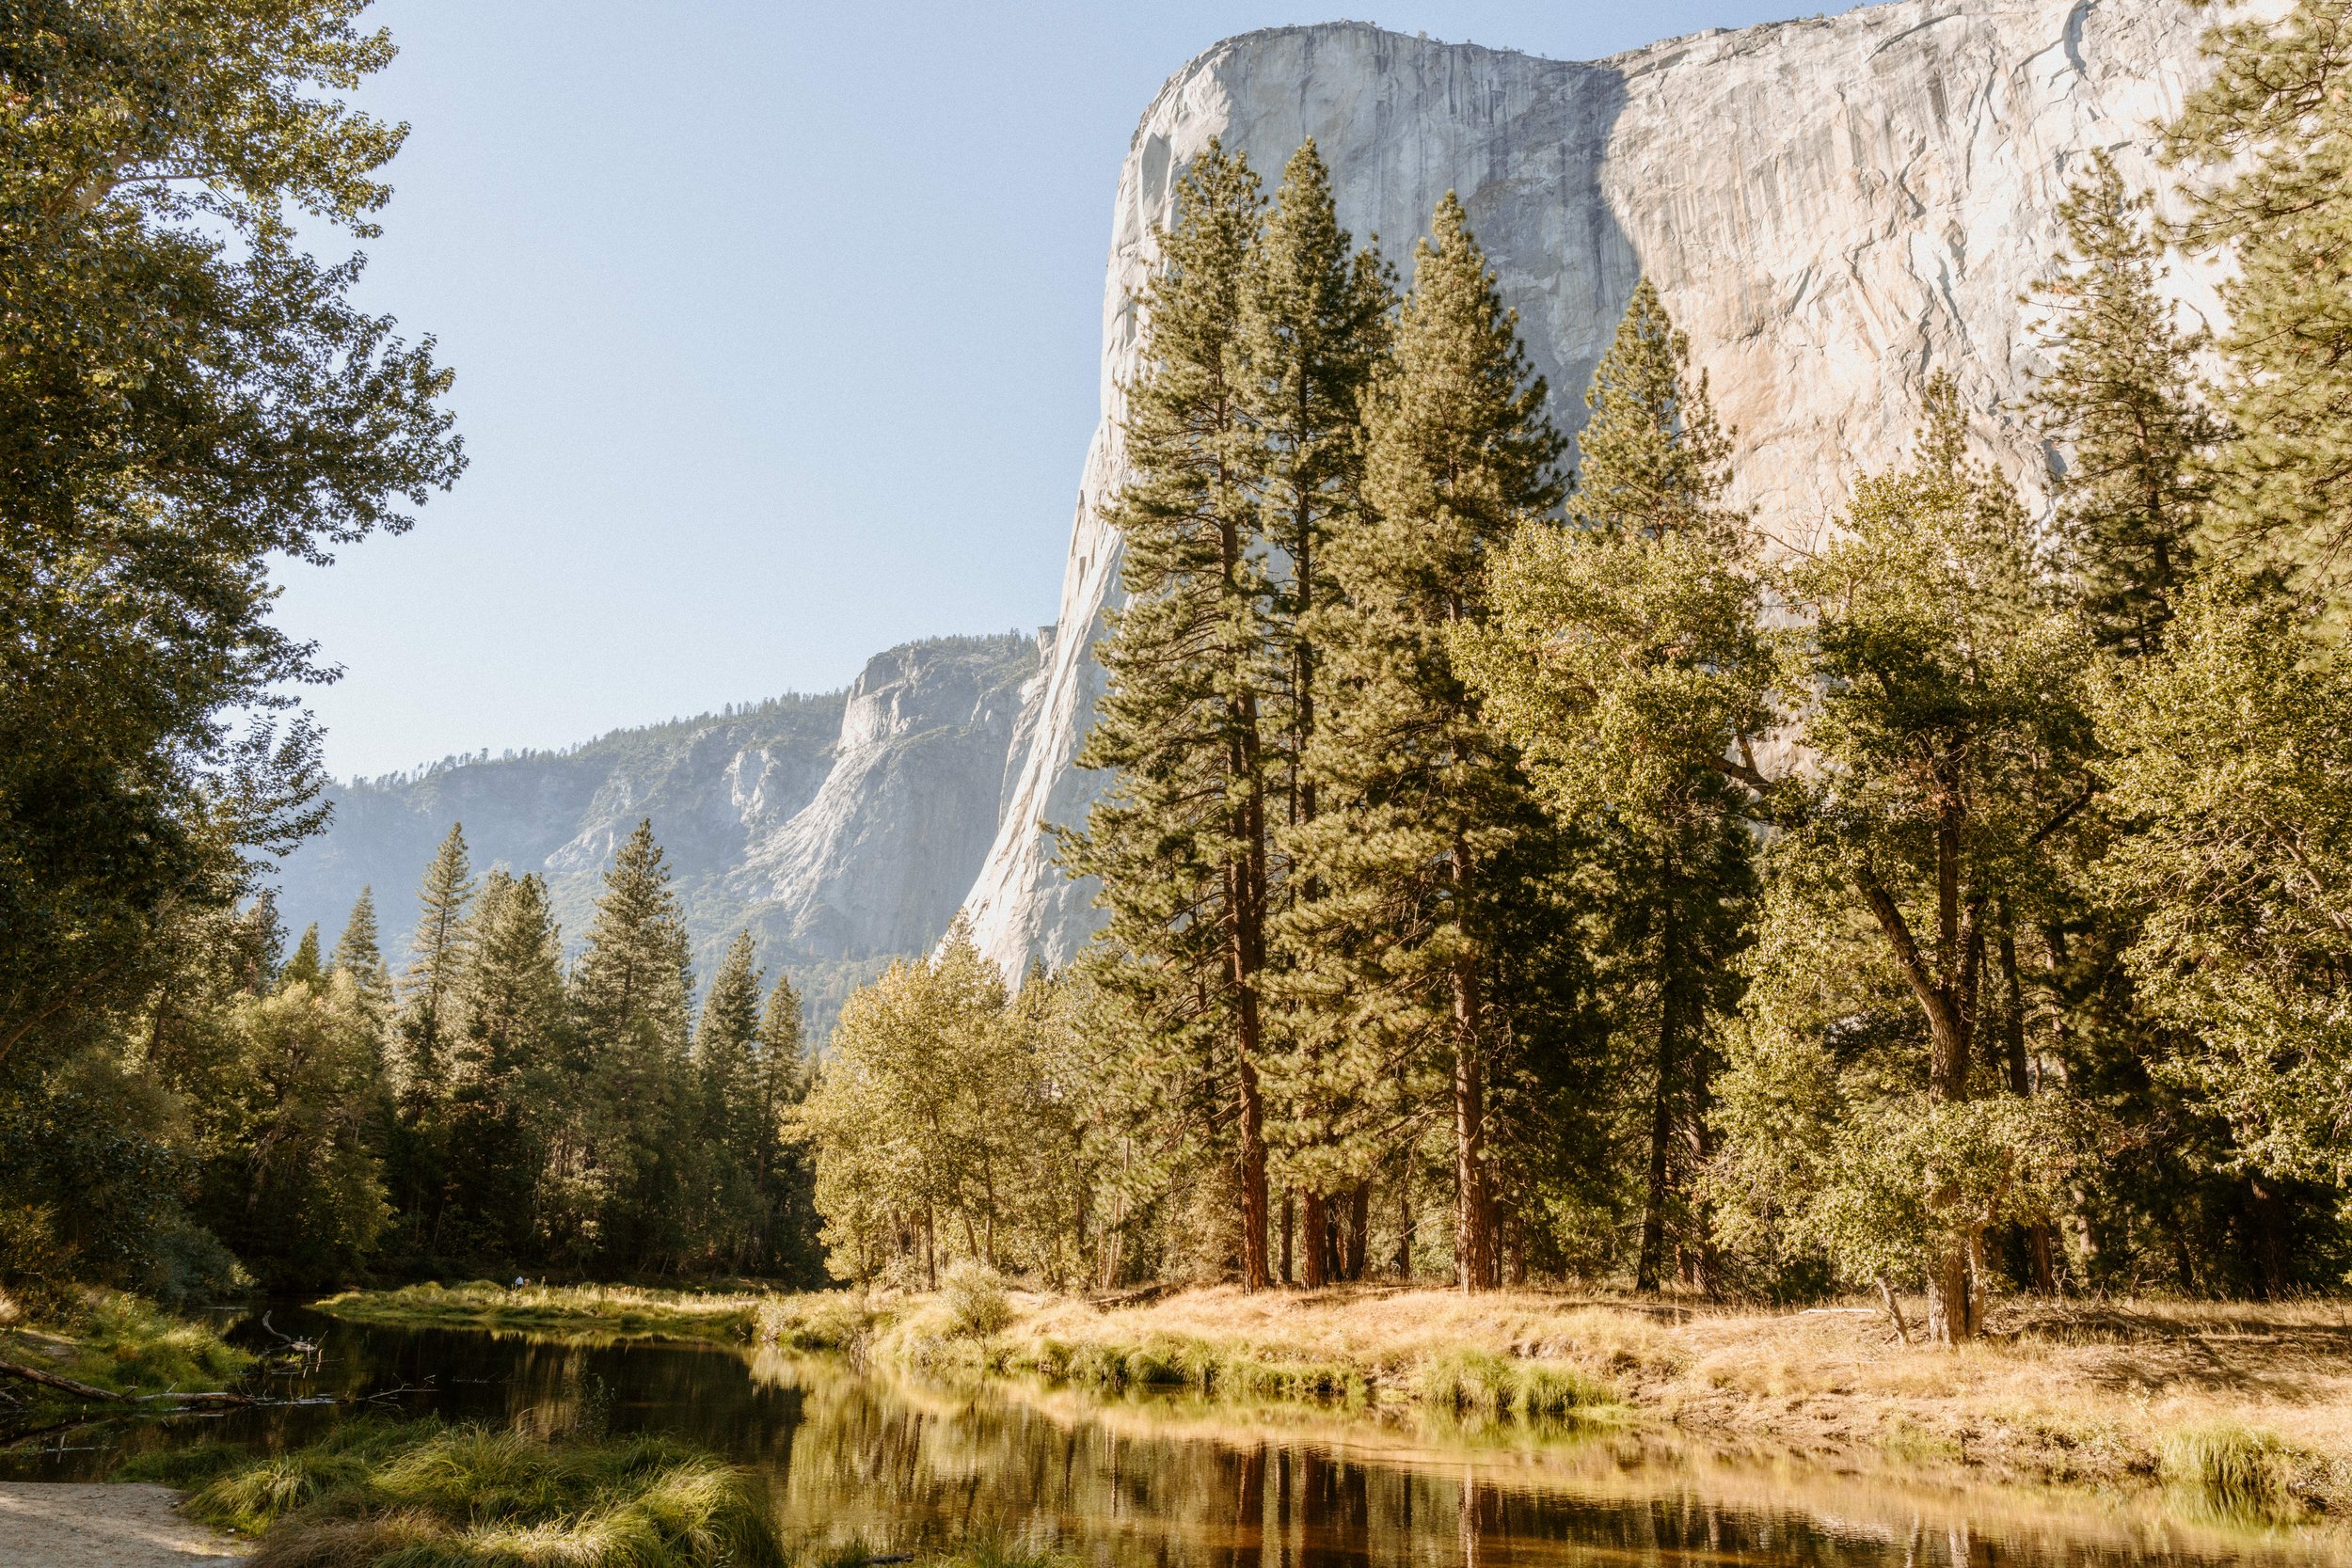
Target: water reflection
point(900, 1465)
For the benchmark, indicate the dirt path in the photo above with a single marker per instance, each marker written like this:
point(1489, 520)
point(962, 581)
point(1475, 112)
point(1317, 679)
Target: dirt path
point(52, 1524)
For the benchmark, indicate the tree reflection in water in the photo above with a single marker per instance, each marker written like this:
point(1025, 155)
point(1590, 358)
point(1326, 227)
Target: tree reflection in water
point(858, 1456)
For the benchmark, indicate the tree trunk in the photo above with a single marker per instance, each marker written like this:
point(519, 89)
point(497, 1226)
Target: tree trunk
point(1245, 962)
point(1949, 1308)
point(1358, 1231)
point(1669, 1070)
point(1316, 1242)
point(1473, 1216)
point(1404, 1223)
point(1289, 1228)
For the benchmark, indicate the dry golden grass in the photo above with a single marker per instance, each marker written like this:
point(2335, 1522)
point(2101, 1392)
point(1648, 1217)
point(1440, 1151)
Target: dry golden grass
point(2106, 1394)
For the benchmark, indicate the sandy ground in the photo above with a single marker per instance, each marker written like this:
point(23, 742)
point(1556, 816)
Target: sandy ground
point(48, 1525)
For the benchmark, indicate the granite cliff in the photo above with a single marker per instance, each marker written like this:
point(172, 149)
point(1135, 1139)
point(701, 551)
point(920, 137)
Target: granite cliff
point(841, 830)
point(1833, 208)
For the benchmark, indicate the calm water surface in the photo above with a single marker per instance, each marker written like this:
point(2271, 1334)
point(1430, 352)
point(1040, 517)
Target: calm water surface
point(899, 1465)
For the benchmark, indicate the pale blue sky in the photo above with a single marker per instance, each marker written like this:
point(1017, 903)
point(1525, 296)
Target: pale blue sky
point(775, 328)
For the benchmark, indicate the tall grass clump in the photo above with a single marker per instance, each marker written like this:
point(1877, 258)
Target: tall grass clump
point(1480, 1383)
point(973, 1295)
point(2232, 1471)
point(428, 1495)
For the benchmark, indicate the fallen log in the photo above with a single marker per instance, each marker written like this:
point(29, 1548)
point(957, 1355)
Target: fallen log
point(107, 1395)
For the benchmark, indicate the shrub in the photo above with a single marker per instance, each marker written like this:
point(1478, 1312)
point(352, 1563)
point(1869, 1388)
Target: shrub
point(974, 1294)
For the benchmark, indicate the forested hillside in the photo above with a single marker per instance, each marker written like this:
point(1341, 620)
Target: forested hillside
point(841, 830)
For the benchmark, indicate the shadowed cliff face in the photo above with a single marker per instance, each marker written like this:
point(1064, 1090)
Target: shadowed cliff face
point(841, 830)
point(1834, 209)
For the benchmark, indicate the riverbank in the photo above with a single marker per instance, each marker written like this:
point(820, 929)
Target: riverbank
point(2248, 1407)
point(620, 1311)
point(423, 1492)
point(112, 1345)
point(2243, 1409)
point(47, 1525)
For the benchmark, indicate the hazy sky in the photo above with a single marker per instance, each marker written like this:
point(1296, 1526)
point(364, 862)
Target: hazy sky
point(775, 327)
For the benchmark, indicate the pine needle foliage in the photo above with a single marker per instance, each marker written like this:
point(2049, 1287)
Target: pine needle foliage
point(2122, 399)
point(2272, 135)
point(1623, 657)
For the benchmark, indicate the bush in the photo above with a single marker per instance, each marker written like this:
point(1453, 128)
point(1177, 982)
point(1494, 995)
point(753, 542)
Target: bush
point(974, 1294)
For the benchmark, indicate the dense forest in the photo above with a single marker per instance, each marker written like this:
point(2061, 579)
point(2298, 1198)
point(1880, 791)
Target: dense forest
point(1519, 865)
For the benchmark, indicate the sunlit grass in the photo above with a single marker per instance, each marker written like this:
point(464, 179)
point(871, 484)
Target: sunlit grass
point(426, 1496)
point(623, 1311)
point(123, 1343)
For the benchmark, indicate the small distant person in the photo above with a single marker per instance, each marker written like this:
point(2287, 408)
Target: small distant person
point(519, 1282)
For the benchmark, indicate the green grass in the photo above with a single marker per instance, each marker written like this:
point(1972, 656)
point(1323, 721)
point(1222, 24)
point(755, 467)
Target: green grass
point(2231, 1472)
point(620, 1311)
point(1479, 1383)
point(123, 1343)
point(421, 1495)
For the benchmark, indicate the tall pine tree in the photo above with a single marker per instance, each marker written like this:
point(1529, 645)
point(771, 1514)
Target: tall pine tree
point(430, 991)
point(1315, 327)
point(727, 1046)
point(359, 953)
point(1180, 841)
point(1621, 657)
point(2121, 399)
point(630, 993)
point(1421, 801)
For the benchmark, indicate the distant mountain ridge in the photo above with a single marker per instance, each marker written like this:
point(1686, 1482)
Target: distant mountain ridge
point(842, 830)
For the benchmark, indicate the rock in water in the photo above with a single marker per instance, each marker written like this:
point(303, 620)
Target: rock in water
point(1833, 210)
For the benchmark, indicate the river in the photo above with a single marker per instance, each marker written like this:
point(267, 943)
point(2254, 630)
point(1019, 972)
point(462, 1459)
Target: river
point(855, 1457)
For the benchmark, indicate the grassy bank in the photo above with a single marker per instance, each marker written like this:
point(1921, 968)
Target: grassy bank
point(2241, 1411)
point(429, 1495)
point(622, 1312)
point(113, 1341)
point(819, 1320)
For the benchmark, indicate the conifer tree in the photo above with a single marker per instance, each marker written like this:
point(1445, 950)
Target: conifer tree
point(726, 1045)
point(359, 952)
point(437, 970)
point(630, 992)
point(1954, 748)
point(1178, 842)
point(304, 968)
point(2122, 398)
point(1315, 327)
point(1421, 801)
point(1622, 657)
point(785, 1240)
point(2273, 132)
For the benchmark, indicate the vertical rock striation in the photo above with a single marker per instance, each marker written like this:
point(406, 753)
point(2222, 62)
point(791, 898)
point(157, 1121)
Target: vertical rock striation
point(1833, 210)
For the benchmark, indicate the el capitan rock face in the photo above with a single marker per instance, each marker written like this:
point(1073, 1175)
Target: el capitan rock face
point(1833, 210)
